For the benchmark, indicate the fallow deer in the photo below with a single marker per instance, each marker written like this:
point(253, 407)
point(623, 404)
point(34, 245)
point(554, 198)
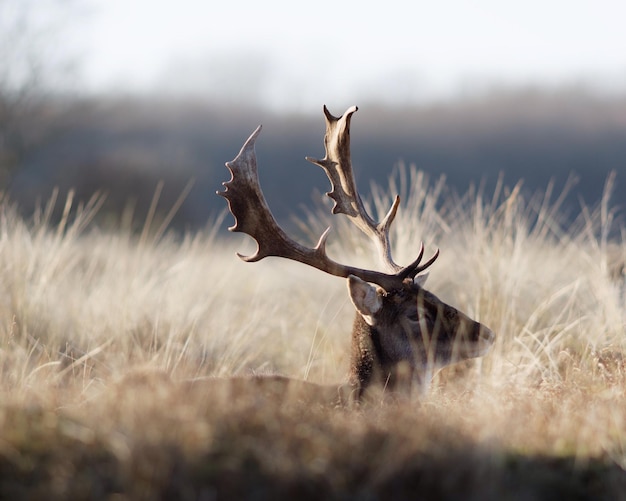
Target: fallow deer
point(401, 332)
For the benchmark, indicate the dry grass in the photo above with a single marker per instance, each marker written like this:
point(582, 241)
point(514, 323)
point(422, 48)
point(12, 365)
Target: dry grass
point(110, 346)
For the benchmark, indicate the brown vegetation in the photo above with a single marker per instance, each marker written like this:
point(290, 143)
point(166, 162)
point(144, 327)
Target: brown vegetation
point(117, 357)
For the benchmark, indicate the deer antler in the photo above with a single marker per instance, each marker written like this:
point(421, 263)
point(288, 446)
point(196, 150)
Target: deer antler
point(338, 167)
point(253, 217)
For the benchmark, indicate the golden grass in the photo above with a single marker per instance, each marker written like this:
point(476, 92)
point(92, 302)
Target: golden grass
point(117, 357)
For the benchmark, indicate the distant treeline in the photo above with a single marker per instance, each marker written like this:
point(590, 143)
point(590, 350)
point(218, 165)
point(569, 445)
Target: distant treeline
point(125, 147)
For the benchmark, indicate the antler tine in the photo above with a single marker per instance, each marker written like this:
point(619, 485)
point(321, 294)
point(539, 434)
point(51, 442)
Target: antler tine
point(412, 270)
point(338, 167)
point(253, 217)
point(426, 265)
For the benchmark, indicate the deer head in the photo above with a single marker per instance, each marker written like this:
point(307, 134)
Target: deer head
point(401, 331)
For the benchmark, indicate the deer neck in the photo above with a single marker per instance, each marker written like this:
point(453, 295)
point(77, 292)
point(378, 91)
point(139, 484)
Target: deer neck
point(372, 367)
point(366, 363)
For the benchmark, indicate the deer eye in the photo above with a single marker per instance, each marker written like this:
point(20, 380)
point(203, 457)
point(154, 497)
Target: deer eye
point(413, 316)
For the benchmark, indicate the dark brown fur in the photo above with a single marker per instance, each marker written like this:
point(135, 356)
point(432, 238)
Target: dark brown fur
point(412, 334)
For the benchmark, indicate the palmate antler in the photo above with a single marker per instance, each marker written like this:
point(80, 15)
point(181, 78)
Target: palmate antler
point(338, 167)
point(253, 216)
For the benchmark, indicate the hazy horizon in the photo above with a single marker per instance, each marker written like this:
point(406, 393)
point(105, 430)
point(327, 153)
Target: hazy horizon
point(284, 57)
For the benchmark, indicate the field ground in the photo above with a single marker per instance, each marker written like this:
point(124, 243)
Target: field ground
point(127, 360)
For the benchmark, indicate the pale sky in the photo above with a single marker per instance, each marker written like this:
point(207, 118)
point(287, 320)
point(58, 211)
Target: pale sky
point(289, 54)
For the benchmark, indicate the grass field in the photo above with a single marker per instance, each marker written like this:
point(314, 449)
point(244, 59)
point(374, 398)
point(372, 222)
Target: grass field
point(118, 357)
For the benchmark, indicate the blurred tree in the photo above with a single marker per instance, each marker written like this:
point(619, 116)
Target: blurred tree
point(34, 64)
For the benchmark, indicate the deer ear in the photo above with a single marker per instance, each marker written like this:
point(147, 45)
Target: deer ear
point(365, 298)
point(420, 279)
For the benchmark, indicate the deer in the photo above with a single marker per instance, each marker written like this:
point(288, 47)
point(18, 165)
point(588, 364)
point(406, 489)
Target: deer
point(401, 333)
